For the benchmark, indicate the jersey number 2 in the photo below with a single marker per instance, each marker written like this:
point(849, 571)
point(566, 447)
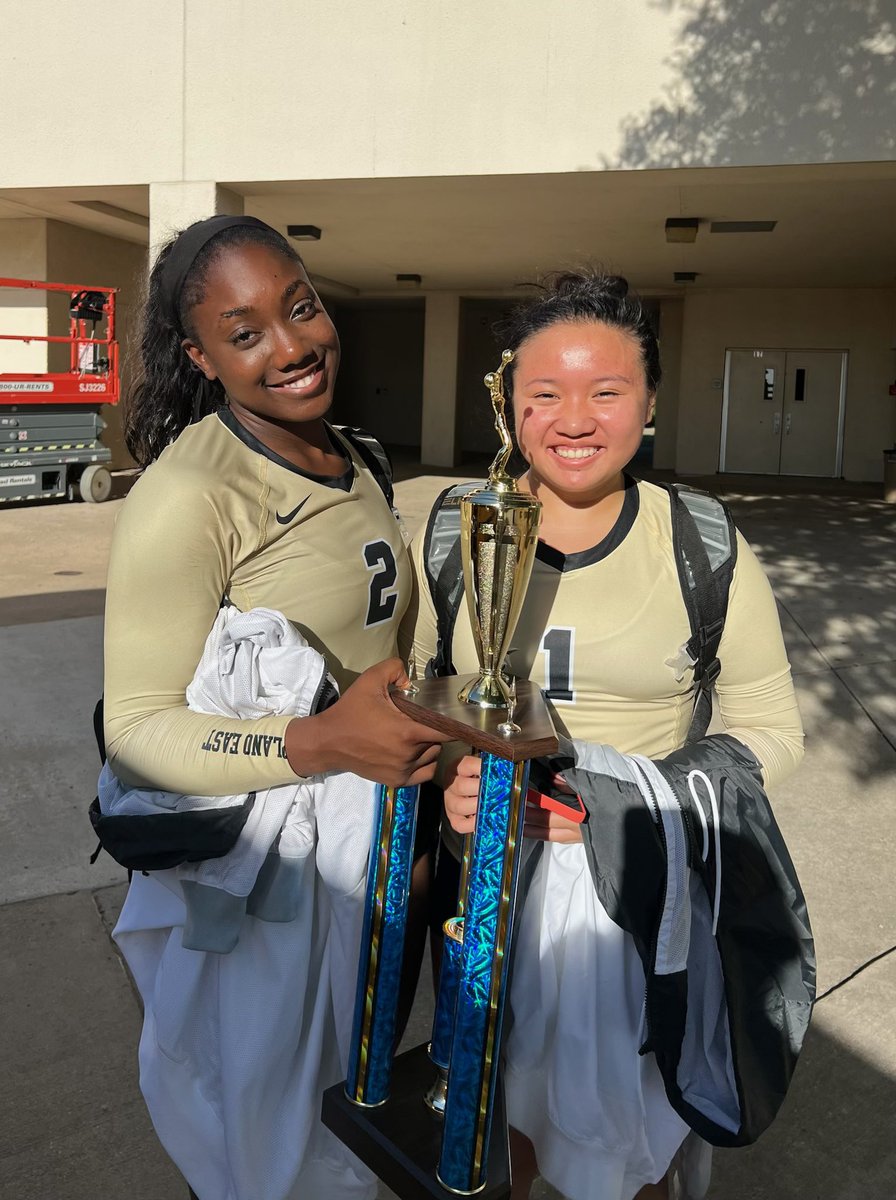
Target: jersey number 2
point(381, 562)
point(558, 645)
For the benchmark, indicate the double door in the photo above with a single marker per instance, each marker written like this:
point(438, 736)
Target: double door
point(783, 412)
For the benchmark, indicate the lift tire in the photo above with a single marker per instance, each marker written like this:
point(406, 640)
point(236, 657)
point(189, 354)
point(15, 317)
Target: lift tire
point(95, 484)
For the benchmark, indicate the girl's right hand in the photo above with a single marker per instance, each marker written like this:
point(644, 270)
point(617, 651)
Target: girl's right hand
point(462, 798)
point(462, 792)
point(363, 732)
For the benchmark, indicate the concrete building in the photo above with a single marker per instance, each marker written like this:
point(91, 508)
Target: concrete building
point(475, 145)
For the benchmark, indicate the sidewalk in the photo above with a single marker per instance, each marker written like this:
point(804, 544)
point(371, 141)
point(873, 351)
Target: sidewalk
point(72, 1125)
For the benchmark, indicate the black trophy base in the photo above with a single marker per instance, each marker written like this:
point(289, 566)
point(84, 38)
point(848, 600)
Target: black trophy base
point(400, 1141)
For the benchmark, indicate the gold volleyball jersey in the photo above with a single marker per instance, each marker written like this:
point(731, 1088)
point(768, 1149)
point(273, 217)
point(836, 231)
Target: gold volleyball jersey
point(600, 632)
point(221, 515)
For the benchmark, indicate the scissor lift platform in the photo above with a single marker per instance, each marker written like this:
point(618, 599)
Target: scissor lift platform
point(50, 424)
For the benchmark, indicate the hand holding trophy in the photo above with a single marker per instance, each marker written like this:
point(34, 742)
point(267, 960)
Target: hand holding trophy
point(445, 1145)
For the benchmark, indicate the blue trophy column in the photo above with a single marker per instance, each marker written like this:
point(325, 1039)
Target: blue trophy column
point(479, 1007)
point(382, 946)
point(449, 975)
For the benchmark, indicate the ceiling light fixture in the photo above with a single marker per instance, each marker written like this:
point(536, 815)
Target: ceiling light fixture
point(304, 233)
point(409, 278)
point(742, 226)
point(682, 229)
point(685, 276)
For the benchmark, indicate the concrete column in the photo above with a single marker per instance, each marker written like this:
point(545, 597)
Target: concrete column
point(174, 206)
point(666, 436)
point(440, 344)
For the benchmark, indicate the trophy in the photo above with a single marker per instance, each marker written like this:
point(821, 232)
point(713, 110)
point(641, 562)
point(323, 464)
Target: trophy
point(499, 534)
point(425, 1121)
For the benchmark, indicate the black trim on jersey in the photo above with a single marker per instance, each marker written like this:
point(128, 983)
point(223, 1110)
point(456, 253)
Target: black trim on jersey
point(343, 482)
point(631, 504)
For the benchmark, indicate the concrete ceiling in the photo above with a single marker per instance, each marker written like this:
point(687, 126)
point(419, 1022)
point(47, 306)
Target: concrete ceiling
point(482, 235)
point(121, 212)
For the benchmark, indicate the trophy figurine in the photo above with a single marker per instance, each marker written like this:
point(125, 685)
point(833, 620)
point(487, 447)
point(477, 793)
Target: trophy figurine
point(428, 1134)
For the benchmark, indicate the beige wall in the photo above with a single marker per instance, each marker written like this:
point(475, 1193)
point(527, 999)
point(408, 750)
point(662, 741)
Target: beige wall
point(99, 92)
point(860, 321)
point(23, 255)
point(240, 91)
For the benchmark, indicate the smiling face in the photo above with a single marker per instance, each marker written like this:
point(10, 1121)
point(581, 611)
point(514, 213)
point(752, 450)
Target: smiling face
point(580, 402)
point(261, 330)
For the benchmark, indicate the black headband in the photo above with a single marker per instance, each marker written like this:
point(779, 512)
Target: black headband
point(185, 250)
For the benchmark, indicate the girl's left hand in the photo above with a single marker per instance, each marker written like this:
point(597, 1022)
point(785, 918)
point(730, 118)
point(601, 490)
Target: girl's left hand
point(548, 826)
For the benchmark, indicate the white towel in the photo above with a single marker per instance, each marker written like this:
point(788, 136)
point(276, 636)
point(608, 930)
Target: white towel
point(254, 664)
point(257, 664)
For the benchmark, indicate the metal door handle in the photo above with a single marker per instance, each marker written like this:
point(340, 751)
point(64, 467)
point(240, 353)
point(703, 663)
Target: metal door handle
point(787, 423)
point(776, 423)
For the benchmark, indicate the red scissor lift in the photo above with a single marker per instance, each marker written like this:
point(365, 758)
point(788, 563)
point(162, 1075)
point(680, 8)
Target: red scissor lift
point(50, 424)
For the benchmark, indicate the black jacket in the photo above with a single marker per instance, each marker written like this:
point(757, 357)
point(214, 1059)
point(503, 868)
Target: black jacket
point(687, 857)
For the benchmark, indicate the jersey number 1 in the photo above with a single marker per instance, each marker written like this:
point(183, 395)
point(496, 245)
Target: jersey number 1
point(558, 644)
point(381, 562)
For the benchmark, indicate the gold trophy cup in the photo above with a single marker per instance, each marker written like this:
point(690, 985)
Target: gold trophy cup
point(499, 535)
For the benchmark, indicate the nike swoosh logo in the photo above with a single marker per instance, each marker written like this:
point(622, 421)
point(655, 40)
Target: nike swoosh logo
point(295, 512)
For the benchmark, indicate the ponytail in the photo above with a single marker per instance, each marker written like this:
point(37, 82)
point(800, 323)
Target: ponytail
point(166, 393)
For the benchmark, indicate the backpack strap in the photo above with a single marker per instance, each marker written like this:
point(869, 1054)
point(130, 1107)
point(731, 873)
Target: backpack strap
point(374, 457)
point(444, 571)
point(98, 731)
point(705, 553)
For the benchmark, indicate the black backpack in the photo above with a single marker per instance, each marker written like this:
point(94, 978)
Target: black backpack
point(705, 554)
point(157, 841)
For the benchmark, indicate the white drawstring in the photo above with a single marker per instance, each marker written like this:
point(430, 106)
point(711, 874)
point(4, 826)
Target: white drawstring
point(717, 837)
point(701, 814)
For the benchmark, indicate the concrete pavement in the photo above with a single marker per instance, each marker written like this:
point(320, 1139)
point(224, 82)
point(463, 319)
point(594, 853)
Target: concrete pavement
point(72, 1125)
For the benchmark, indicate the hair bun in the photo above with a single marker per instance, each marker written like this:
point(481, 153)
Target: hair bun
point(588, 294)
point(572, 283)
point(616, 286)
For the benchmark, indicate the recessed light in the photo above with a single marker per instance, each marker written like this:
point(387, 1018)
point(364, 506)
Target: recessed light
point(742, 226)
point(408, 277)
point(304, 233)
point(682, 229)
point(685, 276)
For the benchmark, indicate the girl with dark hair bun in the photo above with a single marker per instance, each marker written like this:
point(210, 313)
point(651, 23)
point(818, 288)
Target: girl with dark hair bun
point(250, 501)
point(584, 296)
point(602, 632)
